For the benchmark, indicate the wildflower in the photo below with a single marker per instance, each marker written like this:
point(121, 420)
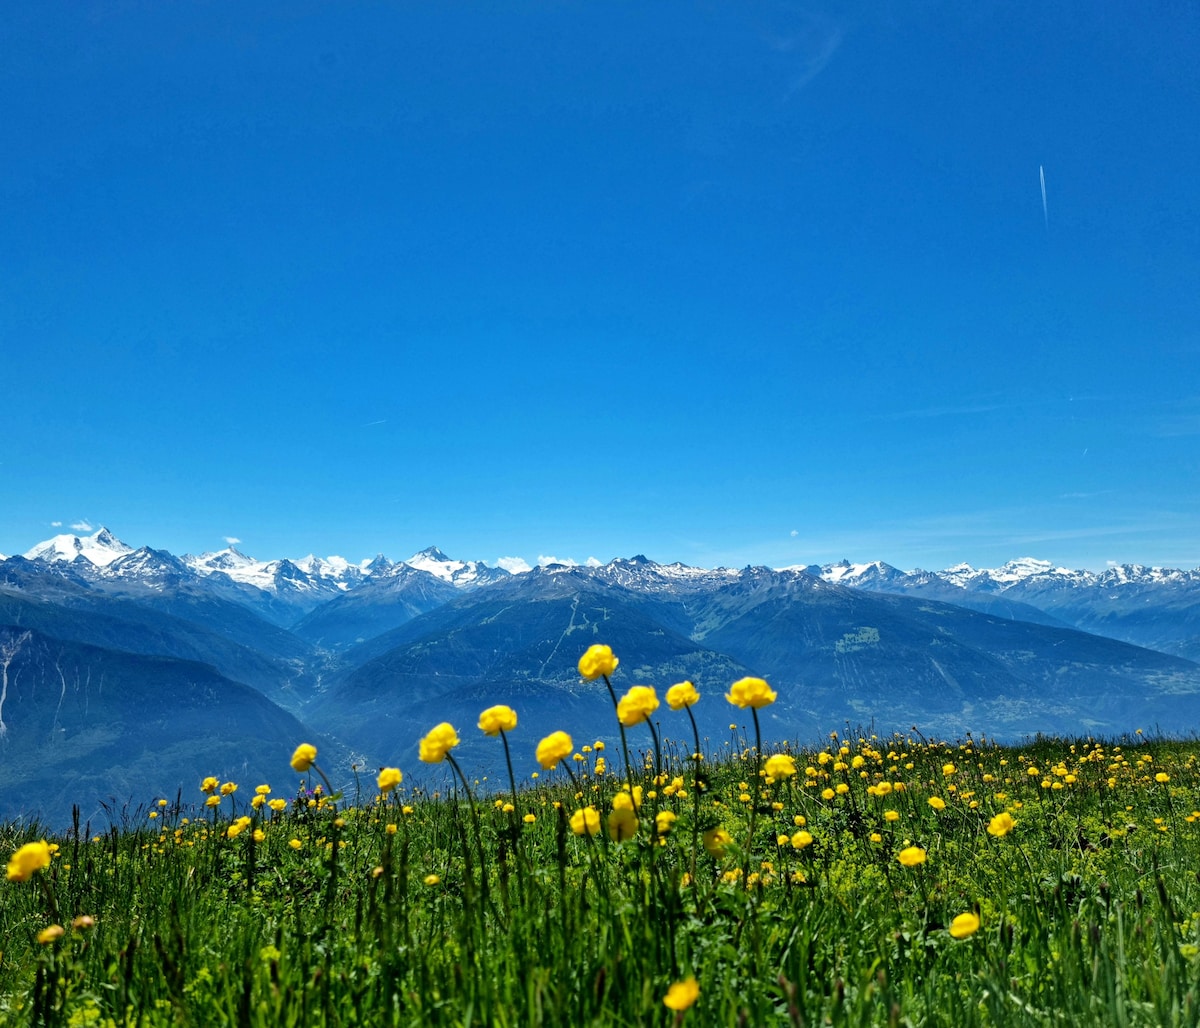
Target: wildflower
point(1162, 777)
point(911, 856)
point(597, 661)
point(716, 840)
point(555, 747)
point(31, 857)
point(624, 800)
point(295, 844)
point(277, 805)
point(209, 784)
point(781, 765)
point(258, 801)
point(964, 925)
point(663, 821)
point(259, 835)
point(682, 995)
point(637, 705)
point(682, 695)
point(497, 719)
point(440, 741)
point(1001, 825)
point(389, 778)
point(801, 839)
point(304, 756)
point(50, 933)
point(162, 803)
point(83, 921)
point(529, 819)
point(586, 820)
point(229, 788)
point(432, 879)
point(622, 824)
point(390, 828)
point(937, 803)
point(263, 790)
point(213, 801)
point(750, 692)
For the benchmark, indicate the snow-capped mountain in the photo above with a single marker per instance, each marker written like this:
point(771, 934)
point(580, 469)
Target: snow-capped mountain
point(99, 549)
point(462, 573)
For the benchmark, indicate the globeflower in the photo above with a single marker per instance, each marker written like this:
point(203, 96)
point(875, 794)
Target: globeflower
point(781, 765)
point(964, 925)
point(750, 692)
point(1001, 825)
point(497, 719)
point(682, 995)
point(597, 661)
point(389, 778)
point(555, 747)
point(440, 741)
point(637, 705)
point(911, 856)
point(682, 695)
point(304, 756)
point(586, 820)
point(715, 840)
point(209, 784)
point(31, 857)
point(622, 824)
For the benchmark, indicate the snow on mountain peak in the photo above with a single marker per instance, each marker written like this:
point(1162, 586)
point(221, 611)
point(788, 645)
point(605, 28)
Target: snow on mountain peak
point(100, 548)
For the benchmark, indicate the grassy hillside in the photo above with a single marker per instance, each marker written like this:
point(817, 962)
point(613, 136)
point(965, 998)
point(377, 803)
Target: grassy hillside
point(887, 881)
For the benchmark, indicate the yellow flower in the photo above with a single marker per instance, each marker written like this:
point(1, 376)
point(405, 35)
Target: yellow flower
point(1161, 777)
point(31, 857)
point(432, 879)
point(937, 803)
point(801, 839)
point(682, 695)
point(1001, 825)
point(229, 788)
point(682, 995)
point(277, 805)
point(529, 819)
point(258, 801)
point(891, 815)
point(597, 661)
point(213, 801)
point(50, 933)
point(663, 821)
point(622, 824)
point(389, 778)
point(586, 820)
point(209, 784)
point(781, 765)
point(259, 835)
point(555, 747)
point(637, 705)
point(263, 790)
point(295, 844)
point(497, 719)
point(911, 856)
point(304, 756)
point(964, 925)
point(750, 692)
point(440, 741)
point(83, 921)
point(716, 840)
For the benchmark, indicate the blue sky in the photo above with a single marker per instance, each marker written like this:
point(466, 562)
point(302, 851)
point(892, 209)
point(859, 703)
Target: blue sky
point(724, 283)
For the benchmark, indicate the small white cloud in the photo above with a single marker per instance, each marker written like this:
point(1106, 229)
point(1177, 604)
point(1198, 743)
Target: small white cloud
point(794, 533)
point(82, 526)
point(513, 565)
point(593, 562)
point(232, 540)
point(567, 561)
point(56, 524)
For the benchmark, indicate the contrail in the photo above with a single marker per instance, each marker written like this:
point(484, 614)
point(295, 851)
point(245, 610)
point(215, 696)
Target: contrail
point(1045, 209)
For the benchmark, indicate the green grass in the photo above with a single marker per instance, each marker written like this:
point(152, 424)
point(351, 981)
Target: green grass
point(1089, 908)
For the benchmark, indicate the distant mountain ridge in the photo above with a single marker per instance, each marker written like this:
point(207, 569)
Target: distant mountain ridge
point(369, 655)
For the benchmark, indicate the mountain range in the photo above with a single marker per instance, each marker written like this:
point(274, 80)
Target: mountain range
point(128, 674)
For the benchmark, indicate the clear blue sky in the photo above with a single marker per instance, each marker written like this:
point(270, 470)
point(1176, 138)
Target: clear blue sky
point(723, 282)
